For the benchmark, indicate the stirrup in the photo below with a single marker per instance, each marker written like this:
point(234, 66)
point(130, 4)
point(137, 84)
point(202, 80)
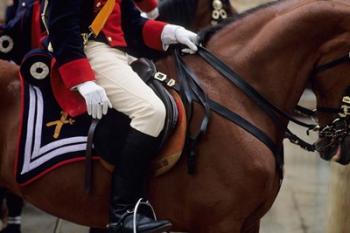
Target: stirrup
point(142, 202)
point(145, 203)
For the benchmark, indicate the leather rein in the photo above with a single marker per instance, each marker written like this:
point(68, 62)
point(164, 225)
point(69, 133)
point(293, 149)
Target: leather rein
point(190, 89)
point(339, 128)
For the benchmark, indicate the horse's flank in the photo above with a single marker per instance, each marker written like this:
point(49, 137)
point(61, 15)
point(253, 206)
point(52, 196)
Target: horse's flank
point(275, 49)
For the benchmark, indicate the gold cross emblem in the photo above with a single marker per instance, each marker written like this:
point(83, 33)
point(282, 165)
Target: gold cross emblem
point(59, 124)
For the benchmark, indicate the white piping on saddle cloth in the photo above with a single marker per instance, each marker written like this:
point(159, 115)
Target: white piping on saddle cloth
point(35, 154)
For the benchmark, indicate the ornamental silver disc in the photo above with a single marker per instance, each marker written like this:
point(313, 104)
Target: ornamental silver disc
point(6, 44)
point(39, 70)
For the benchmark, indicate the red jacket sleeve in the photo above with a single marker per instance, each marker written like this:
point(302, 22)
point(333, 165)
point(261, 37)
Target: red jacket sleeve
point(76, 72)
point(151, 32)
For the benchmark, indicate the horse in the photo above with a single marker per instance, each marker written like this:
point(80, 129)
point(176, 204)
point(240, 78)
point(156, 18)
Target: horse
point(236, 180)
point(195, 14)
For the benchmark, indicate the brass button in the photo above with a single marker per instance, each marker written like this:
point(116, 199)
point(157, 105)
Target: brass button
point(109, 39)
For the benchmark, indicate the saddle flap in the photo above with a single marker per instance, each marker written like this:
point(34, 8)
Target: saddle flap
point(147, 70)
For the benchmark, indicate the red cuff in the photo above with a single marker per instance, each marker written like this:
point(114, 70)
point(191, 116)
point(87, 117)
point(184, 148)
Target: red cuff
point(151, 33)
point(76, 72)
point(146, 5)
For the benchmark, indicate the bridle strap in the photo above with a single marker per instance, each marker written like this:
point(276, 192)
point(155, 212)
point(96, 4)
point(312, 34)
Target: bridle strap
point(327, 66)
point(341, 60)
point(250, 91)
point(304, 111)
point(328, 110)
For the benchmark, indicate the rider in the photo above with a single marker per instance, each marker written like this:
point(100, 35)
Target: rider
point(99, 71)
point(11, 7)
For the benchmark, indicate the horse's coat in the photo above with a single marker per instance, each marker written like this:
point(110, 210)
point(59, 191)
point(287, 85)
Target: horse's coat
point(275, 49)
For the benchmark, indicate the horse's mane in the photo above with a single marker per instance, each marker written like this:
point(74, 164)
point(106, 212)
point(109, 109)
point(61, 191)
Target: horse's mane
point(207, 33)
point(177, 11)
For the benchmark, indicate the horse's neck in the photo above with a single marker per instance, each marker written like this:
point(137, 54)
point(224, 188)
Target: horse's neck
point(276, 48)
point(204, 11)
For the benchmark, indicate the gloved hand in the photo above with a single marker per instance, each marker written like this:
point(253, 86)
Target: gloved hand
point(153, 14)
point(173, 34)
point(95, 97)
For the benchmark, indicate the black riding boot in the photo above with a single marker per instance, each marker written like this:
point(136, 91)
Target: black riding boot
point(128, 186)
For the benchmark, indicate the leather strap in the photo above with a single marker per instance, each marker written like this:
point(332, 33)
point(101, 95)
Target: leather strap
point(101, 18)
point(88, 155)
point(234, 78)
point(341, 60)
point(191, 90)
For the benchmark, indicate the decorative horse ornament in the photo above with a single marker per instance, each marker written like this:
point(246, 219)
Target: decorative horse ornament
point(195, 14)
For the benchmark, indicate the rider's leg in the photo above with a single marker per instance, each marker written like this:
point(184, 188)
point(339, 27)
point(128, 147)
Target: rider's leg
point(131, 96)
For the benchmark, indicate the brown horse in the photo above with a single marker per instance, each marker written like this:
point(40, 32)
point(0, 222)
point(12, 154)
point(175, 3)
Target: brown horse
point(275, 50)
point(195, 14)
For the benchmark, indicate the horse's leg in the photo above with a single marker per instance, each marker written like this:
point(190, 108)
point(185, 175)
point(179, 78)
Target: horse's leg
point(226, 225)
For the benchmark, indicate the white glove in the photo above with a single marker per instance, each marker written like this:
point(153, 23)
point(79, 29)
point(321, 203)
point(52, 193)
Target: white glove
point(153, 14)
point(173, 34)
point(96, 99)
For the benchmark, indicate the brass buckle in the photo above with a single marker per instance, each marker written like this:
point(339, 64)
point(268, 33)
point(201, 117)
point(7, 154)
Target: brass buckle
point(86, 37)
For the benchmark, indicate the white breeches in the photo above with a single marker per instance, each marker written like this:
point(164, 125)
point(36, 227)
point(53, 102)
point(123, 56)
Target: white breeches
point(125, 89)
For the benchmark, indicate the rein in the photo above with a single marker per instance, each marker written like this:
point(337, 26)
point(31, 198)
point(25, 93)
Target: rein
point(339, 128)
point(191, 90)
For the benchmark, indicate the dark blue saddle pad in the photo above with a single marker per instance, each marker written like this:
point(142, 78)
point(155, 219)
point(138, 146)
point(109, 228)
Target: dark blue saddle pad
point(50, 138)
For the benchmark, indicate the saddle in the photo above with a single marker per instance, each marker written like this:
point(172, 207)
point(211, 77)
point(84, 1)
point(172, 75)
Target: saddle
point(38, 70)
point(146, 69)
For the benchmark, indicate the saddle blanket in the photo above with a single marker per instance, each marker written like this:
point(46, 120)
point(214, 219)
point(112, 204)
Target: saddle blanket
point(48, 138)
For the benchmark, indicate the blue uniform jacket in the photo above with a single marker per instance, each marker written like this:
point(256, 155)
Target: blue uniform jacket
point(67, 19)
